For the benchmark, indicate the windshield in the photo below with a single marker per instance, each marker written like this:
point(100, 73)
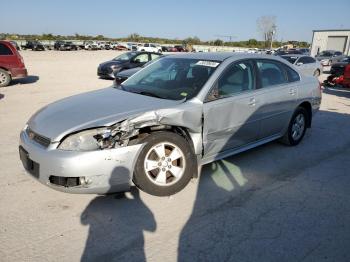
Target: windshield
point(125, 56)
point(171, 78)
point(290, 59)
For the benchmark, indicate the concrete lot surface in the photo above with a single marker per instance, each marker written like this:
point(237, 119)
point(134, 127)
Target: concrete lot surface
point(273, 203)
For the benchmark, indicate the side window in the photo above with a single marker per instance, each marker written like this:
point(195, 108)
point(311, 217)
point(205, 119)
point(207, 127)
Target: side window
point(271, 73)
point(154, 56)
point(153, 45)
point(4, 50)
point(146, 45)
point(237, 78)
point(143, 58)
point(292, 75)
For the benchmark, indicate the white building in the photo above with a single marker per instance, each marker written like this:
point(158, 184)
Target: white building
point(338, 40)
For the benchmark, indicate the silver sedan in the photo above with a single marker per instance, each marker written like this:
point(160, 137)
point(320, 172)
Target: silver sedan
point(306, 64)
point(155, 129)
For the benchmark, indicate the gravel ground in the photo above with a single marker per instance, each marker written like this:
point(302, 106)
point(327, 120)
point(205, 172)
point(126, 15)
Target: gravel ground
point(273, 203)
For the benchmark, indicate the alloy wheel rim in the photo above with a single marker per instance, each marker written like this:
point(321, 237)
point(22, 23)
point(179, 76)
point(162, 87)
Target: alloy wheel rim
point(164, 164)
point(2, 78)
point(298, 127)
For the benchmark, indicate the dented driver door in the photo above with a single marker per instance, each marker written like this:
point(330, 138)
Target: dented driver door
point(231, 115)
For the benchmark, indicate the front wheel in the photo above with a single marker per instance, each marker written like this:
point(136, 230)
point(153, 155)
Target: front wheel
point(165, 165)
point(297, 127)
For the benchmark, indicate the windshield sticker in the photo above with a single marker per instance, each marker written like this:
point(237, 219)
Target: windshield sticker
point(207, 63)
point(183, 94)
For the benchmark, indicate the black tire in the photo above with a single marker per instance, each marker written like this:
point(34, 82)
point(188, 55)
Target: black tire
point(288, 137)
point(143, 180)
point(5, 78)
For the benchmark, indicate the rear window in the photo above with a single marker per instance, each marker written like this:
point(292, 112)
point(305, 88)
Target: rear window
point(292, 75)
point(4, 50)
point(271, 73)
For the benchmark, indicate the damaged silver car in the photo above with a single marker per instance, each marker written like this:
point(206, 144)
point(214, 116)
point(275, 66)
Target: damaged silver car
point(156, 128)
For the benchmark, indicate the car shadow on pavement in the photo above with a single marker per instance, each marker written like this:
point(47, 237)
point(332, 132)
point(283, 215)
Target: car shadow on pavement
point(247, 209)
point(116, 224)
point(26, 80)
point(337, 91)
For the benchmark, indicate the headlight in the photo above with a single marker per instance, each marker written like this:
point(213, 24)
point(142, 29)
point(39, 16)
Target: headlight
point(89, 140)
point(115, 67)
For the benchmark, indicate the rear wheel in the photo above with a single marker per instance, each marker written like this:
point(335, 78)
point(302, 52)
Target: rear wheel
point(165, 165)
point(297, 127)
point(5, 78)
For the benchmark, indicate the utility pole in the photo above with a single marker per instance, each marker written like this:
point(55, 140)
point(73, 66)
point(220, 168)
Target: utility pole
point(273, 32)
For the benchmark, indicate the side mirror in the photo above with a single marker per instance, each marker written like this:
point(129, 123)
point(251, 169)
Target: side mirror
point(213, 94)
point(137, 61)
point(299, 63)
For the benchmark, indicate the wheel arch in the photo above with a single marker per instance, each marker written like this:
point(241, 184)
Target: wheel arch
point(182, 131)
point(307, 106)
point(6, 69)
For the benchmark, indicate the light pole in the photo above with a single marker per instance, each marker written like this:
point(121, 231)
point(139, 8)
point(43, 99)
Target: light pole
point(273, 31)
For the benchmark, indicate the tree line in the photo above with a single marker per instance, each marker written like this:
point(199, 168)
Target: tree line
point(251, 43)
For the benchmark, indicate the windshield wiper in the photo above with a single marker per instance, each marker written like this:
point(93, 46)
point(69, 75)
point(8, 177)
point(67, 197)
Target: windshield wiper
point(149, 94)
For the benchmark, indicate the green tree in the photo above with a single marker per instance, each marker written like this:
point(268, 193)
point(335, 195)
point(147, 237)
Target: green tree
point(218, 42)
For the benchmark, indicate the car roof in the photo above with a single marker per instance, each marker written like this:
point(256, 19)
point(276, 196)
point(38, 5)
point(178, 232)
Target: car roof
point(294, 55)
point(221, 56)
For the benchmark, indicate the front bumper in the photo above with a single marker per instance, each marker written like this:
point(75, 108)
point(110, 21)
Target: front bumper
point(106, 170)
point(107, 72)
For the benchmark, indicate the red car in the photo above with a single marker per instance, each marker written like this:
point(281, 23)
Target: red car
point(11, 63)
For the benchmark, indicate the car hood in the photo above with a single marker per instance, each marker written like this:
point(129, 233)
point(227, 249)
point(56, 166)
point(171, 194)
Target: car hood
point(103, 107)
point(129, 72)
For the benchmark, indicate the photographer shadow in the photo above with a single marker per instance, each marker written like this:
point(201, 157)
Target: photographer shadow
point(116, 225)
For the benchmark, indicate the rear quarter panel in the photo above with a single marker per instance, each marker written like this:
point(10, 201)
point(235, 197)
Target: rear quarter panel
point(309, 91)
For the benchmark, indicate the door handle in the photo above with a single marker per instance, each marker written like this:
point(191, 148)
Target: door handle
point(292, 91)
point(252, 102)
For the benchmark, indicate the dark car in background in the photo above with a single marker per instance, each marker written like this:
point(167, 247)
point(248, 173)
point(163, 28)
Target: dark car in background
point(68, 46)
point(124, 61)
point(304, 51)
point(15, 45)
point(180, 48)
point(58, 44)
point(328, 57)
point(11, 63)
point(120, 77)
point(34, 45)
point(288, 52)
point(338, 68)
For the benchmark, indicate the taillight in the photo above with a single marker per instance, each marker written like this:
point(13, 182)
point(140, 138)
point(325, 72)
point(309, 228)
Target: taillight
point(21, 58)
